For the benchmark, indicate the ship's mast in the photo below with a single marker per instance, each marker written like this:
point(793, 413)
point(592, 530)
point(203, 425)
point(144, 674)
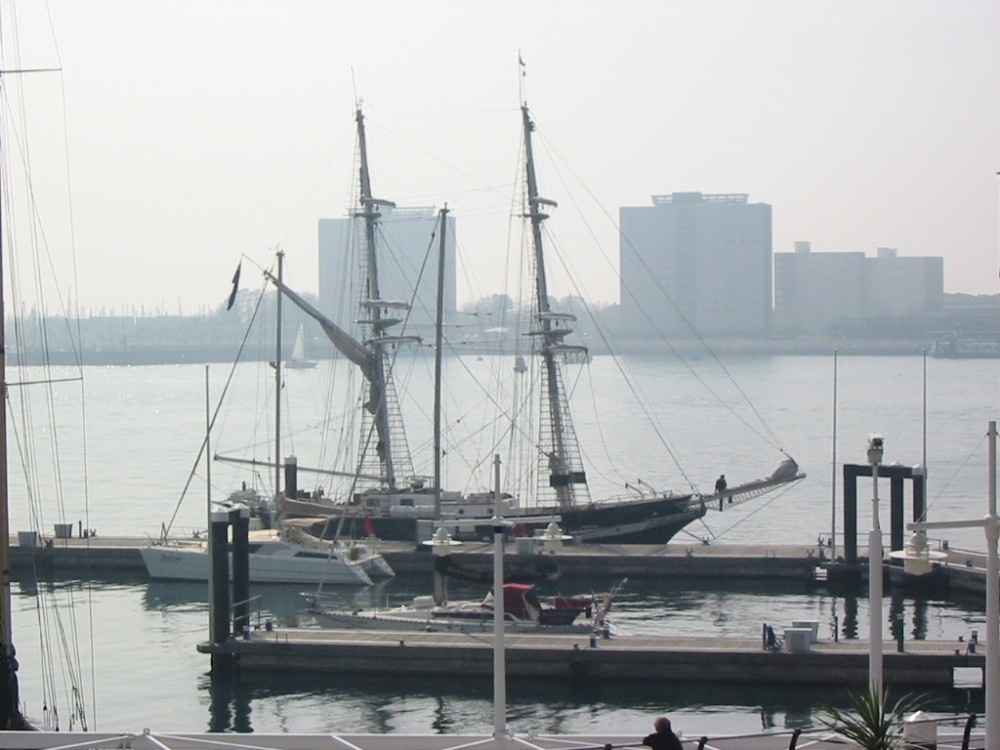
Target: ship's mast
point(377, 315)
point(381, 403)
point(10, 710)
point(277, 384)
point(438, 342)
point(561, 450)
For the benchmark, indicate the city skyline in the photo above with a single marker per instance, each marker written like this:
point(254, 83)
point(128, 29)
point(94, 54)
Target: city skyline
point(193, 134)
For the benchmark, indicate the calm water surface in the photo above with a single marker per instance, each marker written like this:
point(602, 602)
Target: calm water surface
point(145, 425)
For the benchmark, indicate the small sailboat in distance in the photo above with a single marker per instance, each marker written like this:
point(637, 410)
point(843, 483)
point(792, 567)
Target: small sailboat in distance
point(298, 359)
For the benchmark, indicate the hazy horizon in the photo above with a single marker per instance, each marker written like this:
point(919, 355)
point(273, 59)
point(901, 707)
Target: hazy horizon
point(179, 135)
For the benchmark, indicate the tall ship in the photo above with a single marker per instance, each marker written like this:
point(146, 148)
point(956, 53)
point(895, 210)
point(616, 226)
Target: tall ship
point(387, 500)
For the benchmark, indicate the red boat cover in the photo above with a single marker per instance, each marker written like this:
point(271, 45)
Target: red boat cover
point(521, 602)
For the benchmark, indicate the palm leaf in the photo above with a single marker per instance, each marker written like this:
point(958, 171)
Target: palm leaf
point(875, 721)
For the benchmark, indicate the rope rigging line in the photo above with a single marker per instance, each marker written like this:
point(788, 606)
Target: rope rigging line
point(770, 437)
point(503, 414)
point(961, 467)
point(629, 382)
point(51, 617)
point(757, 509)
point(500, 190)
point(218, 407)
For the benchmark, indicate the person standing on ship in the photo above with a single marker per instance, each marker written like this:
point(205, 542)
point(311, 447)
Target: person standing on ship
point(720, 487)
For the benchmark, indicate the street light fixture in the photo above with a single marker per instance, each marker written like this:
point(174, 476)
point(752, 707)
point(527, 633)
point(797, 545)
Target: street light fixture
point(875, 445)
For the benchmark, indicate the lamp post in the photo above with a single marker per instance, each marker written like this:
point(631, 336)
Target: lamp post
point(499, 656)
point(991, 528)
point(441, 544)
point(875, 573)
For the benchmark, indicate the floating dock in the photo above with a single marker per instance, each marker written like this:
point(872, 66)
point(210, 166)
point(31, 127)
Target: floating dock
point(112, 556)
point(573, 657)
point(960, 571)
point(630, 658)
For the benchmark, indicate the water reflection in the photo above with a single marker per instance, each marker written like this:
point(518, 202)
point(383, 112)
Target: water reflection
point(850, 630)
point(282, 604)
point(251, 701)
point(372, 704)
point(920, 610)
point(229, 705)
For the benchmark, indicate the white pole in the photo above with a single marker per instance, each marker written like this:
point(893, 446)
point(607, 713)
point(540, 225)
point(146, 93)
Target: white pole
point(499, 661)
point(992, 530)
point(277, 383)
point(208, 500)
point(833, 479)
point(924, 457)
point(875, 574)
point(991, 527)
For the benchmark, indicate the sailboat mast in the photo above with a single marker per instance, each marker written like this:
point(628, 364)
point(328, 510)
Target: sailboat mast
point(10, 711)
point(537, 217)
point(372, 306)
point(277, 383)
point(438, 340)
point(564, 467)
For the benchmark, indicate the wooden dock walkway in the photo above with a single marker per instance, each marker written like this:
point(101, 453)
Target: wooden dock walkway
point(567, 657)
point(109, 556)
point(101, 557)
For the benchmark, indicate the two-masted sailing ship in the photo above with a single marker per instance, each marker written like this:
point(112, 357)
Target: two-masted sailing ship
point(386, 499)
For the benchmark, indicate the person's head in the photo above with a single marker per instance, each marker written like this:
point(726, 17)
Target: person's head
point(662, 724)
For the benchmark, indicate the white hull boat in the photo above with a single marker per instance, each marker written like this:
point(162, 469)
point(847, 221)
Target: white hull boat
point(273, 559)
point(523, 613)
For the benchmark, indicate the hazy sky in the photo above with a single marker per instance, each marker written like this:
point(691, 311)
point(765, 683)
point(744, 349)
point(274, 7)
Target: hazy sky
point(192, 132)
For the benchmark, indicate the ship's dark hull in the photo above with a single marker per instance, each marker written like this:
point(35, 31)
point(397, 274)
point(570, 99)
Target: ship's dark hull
point(644, 521)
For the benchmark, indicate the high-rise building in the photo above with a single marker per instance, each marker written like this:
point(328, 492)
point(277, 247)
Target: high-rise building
point(901, 287)
point(407, 248)
point(811, 290)
point(696, 264)
point(814, 293)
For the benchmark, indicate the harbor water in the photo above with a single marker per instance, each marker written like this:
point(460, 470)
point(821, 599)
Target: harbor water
point(145, 425)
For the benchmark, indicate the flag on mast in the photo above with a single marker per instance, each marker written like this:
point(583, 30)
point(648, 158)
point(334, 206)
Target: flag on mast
point(236, 286)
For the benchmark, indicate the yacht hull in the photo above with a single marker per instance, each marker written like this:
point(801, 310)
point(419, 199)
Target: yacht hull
point(190, 563)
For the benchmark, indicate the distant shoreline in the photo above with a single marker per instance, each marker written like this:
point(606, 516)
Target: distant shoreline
point(686, 348)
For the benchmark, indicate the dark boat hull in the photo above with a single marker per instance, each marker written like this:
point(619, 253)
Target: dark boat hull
point(644, 521)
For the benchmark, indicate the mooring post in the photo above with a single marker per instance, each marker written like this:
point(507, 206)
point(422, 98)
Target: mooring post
point(219, 624)
point(291, 476)
point(896, 517)
point(851, 472)
point(239, 516)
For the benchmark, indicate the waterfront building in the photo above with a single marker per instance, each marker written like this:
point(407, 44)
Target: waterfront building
point(408, 265)
point(695, 264)
point(901, 287)
point(829, 292)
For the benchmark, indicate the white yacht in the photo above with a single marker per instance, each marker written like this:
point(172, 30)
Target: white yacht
point(288, 555)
